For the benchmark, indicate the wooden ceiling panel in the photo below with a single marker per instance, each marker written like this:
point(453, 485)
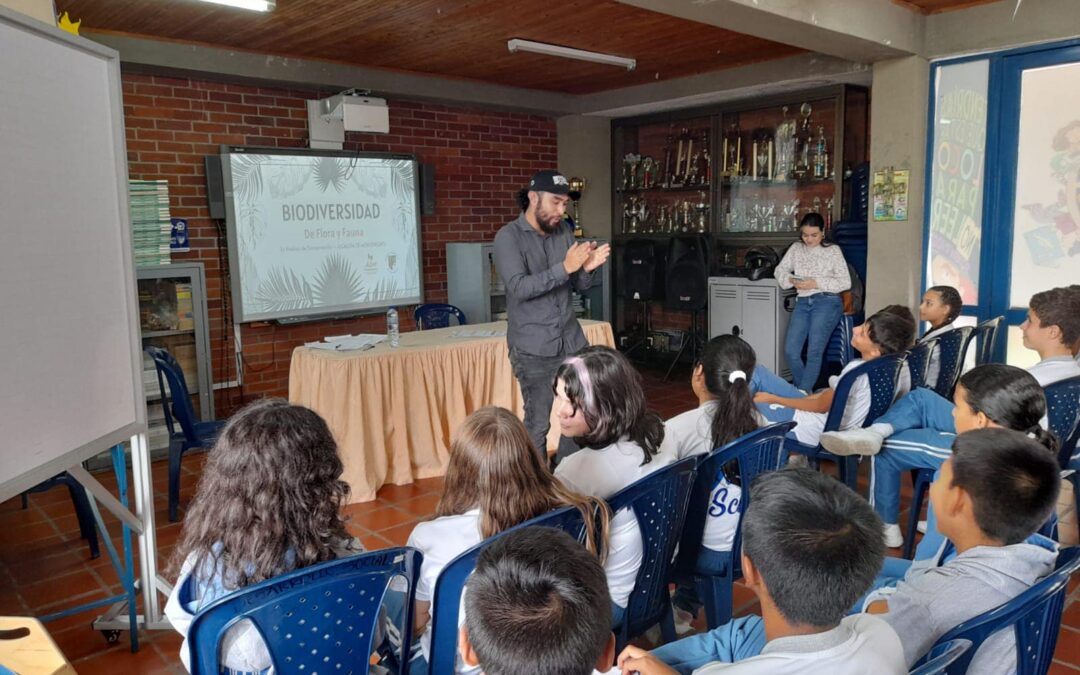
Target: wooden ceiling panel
point(936, 6)
point(449, 38)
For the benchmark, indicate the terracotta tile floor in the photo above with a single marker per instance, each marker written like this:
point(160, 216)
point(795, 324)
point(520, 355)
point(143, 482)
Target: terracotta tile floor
point(44, 567)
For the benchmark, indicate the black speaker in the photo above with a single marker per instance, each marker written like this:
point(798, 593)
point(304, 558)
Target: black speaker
point(427, 189)
point(642, 269)
point(215, 186)
point(688, 273)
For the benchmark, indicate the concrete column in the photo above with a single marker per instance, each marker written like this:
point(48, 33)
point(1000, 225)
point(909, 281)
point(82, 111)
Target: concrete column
point(585, 151)
point(898, 139)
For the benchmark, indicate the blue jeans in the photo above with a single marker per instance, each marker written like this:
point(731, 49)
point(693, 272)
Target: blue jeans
point(923, 434)
point(739, 639)
point(766, 380)
point(812, 324)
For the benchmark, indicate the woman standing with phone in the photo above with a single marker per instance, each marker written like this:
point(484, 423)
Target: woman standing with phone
point(817, 269)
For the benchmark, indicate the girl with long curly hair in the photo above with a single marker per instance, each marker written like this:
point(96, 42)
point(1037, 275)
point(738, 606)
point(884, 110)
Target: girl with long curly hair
point(494, 481)
point(268, 502)
point(601, 405)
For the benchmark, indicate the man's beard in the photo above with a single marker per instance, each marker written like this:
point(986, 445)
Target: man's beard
point(548, 223)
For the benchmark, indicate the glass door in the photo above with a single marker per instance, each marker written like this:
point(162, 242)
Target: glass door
point(1038, 193)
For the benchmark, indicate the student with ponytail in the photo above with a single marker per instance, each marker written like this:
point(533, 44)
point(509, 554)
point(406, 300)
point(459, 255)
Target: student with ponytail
point(991, 395)
point(601, 405)
point(721, 381)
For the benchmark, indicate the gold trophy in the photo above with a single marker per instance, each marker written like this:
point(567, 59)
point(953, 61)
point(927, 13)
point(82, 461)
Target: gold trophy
point(577, 186)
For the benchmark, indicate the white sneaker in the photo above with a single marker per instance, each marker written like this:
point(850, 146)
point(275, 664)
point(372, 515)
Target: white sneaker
point(893, 537)
point(854, 442)
point(921, 526)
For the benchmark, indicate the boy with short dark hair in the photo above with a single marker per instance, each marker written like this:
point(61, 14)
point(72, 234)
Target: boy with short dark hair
point(995, 491)
point(811, 548)
point(537, 603)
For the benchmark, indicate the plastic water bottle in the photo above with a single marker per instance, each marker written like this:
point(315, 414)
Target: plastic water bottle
point(392, 331)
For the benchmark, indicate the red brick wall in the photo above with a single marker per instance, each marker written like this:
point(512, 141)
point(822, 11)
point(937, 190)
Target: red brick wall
point(481, 159)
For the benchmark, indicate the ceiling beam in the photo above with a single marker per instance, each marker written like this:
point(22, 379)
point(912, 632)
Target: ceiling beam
point(191, 60)
point(855, 30)
point(803, 71)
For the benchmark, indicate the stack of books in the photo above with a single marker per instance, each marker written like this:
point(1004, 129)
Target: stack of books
point(150, 221)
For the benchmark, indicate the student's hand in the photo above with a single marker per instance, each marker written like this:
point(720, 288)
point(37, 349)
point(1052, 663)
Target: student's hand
point(576, 256)
point(765, 397)
point(637, 660)
point(805, 284)
point(597, 257)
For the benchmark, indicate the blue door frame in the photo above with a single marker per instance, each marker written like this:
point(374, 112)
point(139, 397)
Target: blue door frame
point(999, 187)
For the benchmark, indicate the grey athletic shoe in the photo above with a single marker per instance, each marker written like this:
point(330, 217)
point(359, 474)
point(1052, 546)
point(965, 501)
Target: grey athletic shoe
point(854, 442)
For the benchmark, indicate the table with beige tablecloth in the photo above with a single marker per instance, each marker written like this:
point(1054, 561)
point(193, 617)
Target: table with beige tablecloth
point(393, 411)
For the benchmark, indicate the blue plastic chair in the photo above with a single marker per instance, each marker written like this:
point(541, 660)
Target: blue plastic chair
point(83, 515)
point(883, 373)
point(951, 348)
point(659, 503)
point(1063, 415)
point(437, 315)
point(984, 337)
point(918, 362)
point(451, 582)
point(1034, 616)
point(321, 618)
point(757, 452)
point(176, 401)
point(839, 349)
point(941, 657)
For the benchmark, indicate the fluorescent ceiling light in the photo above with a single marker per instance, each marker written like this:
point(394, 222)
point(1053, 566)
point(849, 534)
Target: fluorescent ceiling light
point(569, 53)
point(254, 5)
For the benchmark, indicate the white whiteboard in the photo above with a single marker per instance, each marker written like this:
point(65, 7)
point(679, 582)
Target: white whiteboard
point(70, 361)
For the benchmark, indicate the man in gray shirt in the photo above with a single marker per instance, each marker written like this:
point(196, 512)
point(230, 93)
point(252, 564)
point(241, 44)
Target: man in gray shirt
point(539, 261)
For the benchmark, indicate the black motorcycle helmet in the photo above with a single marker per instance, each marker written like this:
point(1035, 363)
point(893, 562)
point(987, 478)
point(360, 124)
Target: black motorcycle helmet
point(761, 261)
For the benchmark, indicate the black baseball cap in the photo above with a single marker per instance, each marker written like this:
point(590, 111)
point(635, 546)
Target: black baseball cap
point(549, 181)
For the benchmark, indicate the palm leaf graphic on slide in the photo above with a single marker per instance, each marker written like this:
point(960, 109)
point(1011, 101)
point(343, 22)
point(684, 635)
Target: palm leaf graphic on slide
point(383, 290)
point(401, 178)
point(330, 172)
point(336, 283)
point(282, 290)
point(247, 177)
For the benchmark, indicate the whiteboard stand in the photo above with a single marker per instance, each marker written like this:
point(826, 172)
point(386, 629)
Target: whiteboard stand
point(120, 615)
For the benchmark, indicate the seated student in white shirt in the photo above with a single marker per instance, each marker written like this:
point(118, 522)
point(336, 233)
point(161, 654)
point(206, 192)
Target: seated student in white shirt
point(940, 307)
point(721, 381)
point(494, 481)
point(601, 405)
point(268, 503)
point(538, 603)
point(811, 548)
point(889, 331)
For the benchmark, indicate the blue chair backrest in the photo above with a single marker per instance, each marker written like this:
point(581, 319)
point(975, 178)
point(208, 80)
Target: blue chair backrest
point(918, 361)
point(1063, 413)
point(757, 452)
point(951, 348)
point(1034, 616)
point(942, 656)
point(659, 503)
point(320, 618)
point(450, 583)
point(984, 337)
point(437, 315)
point(883, 372)
point(176, 399)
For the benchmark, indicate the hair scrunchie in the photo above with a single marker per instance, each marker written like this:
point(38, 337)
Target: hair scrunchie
point(736, 375)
